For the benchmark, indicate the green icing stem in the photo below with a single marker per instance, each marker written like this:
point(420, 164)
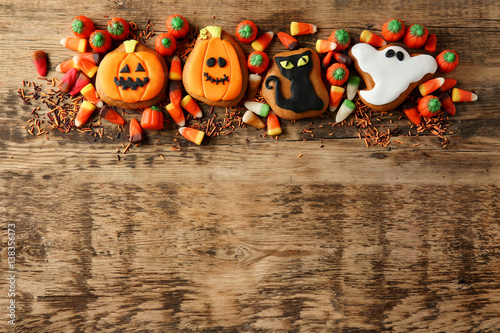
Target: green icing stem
point(77, 26)
point(434, 105)
point(256, 60)
point(98, 40)
point(246, 31)
point(116, 28)
point(417, 30)
point(339, 74)
point(177, 23)
point(342, 36)
point(394, 26)
point(166, 42)
point(449, 57)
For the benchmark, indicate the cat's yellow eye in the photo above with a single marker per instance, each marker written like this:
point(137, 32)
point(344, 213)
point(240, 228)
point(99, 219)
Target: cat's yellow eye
point(303, 61)
point(286, 64)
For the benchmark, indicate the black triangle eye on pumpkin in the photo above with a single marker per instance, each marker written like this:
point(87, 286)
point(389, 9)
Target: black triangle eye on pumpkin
point(140, 68)
point(125, 69)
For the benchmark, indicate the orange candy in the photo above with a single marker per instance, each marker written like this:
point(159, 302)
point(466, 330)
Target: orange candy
point(192, 134)
point(372, 39)
point(190, 105)
point(84, 113)
point(336, 94)
point(175, 73)
point(273, 124)
point(135, 131)
point(175, 92)
point(111, 115)
point(287, 40)
point(90, 94)
point(75, 43)
point(300, 28)
point(65, 66)
point(263, 41)
point(86, 66)
point(430, 86)
point(460, 95)
point(324, 46)
point(176, 113)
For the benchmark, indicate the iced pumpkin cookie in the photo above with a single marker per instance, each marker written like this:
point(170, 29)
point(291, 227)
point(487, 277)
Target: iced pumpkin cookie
point(215, 71)
point(132, 76)
point(293, 86)
point(390, 74)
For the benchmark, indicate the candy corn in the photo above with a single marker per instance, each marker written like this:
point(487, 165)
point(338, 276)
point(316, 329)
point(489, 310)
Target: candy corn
point(325, 63)
point(94, 58)
point(81, 81)
point(430, 86)
point(342, 58)
point(287, 40)
point(430, 43)
point(90, 94)
point(75, 43)
point(447, 103)
point(263, 41)
point(111, 115)
point(65, 66)
point(448, 84)
point(372, 39)
point(273, 124)
point(352, 86)
point(253, 85)
point(135, 131)
point(345, 110)
point(252, 119)
point(175, 92)
point(67, 80)
point(190, 105)
point(299, 28)
point(192, 134)
point(84, 113)
point(460, 95)
point(86, 66)
point(175, 73)
point(324, 46)
point(410, 109)
point(176, 113)
point(261, 109)
point(40, 60)
point(336, 94)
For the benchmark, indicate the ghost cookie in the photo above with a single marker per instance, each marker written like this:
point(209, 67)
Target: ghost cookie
point(215, 71)
point(390, 74)
point(293, 86)
point(133, 76)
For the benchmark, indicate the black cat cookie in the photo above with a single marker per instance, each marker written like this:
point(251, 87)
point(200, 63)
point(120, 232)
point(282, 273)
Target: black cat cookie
point(293, 86)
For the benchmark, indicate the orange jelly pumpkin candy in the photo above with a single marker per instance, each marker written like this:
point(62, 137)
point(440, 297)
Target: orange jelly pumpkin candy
point(215, 71)
point(132, 76)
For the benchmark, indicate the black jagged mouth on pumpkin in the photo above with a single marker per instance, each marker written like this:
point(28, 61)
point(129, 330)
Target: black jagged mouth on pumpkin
point(208, 77)
point(130, 83)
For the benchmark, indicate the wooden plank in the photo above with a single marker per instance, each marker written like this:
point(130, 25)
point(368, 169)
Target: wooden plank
point(312, 232)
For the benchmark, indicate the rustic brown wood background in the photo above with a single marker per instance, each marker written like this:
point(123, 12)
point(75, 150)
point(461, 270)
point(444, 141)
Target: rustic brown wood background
point(241, 234)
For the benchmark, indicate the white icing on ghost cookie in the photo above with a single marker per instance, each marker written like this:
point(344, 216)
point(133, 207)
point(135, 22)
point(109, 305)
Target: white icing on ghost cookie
point(392, 71)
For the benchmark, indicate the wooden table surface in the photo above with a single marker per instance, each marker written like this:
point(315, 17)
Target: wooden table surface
point(312, 232)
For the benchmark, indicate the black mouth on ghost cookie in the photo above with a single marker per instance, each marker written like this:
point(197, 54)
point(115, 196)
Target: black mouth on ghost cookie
point(208, 77)
point(130, 83)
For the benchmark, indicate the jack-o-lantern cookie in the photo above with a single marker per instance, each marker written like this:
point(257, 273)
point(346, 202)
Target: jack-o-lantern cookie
point(293, 86)
point(132, 76)
point(390, 74)
point(215, 71)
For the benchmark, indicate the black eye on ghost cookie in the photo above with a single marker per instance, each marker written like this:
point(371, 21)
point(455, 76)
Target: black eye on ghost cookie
point(391, 53)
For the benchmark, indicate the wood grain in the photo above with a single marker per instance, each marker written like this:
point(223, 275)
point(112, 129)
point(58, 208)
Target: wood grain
point(313, 232)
